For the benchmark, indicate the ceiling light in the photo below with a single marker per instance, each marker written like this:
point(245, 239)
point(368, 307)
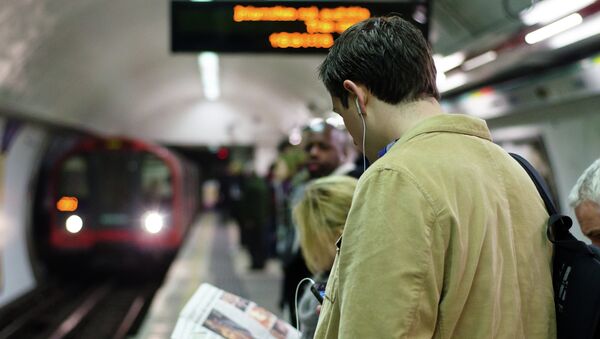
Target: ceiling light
point(553, 29)
point(589, 28)
point(546, 11)
point(208, 63)
point(452, 81)
point(440, 76)
point(440, 80)
point(479, 60)
point(446, 63)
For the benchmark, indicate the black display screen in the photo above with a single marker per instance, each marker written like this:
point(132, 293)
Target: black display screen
point(277, 26)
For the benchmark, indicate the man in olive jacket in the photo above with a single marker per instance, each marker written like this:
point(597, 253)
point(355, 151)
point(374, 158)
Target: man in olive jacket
point(446, 234)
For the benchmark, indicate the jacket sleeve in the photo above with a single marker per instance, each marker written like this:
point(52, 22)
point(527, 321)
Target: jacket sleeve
point(391, 260)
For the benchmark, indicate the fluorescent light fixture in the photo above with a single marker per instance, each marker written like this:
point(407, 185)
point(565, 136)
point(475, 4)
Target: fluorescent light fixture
point(589, 28)
point(451, 82)
point(553, 29)
point(446, 63)
point(479, 60)
point(208, 62)
point(440, 78)
point(547, 11)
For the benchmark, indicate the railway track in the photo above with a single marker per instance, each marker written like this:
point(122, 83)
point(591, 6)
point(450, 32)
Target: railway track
point(108, 308)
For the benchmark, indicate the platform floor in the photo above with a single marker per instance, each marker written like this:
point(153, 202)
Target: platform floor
point(210, 254)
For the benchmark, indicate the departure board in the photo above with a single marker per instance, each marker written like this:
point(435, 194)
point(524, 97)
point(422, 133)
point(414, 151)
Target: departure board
point(277, 26)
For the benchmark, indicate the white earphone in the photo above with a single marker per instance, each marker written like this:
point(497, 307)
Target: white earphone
point(360, 114)
point(358, 106)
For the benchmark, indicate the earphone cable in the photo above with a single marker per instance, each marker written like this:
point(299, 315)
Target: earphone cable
point(296, 300)
point(364, 143)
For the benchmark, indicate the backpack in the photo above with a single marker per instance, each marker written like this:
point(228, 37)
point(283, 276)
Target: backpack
point(575, 271)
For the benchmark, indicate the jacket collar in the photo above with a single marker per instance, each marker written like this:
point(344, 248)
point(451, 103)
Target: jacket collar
point(448, 123)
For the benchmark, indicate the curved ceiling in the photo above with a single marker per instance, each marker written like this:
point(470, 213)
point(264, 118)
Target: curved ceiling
point(105, 66)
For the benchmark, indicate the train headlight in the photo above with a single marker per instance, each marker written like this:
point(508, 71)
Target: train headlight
point(153, 222)
point(74, 224)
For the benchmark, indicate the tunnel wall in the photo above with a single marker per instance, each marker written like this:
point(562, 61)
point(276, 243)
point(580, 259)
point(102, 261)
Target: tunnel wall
point(574, 144)
point(22, 147)
point(571, 134)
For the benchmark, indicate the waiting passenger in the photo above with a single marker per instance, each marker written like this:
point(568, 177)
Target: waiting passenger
point(329, 152)
point(446, 236)
point(320, 215)
point(254, 211)
point(585, 199)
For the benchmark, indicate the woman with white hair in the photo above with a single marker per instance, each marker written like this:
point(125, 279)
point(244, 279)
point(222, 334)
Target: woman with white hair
point(585, 199)
point(320, 215)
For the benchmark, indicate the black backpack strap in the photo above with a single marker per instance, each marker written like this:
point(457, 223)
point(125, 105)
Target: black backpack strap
point(539, 182)
point(558, 224)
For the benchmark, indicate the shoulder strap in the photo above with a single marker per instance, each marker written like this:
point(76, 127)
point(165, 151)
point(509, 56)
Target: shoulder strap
point(539, 182)
point(558, 224)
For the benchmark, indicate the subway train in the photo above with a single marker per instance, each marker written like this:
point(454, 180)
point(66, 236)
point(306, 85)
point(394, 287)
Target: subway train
point(120, 194)
point(205, 75)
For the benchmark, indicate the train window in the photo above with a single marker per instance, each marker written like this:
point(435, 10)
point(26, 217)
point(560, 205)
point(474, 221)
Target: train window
point(73, 178)
point(156, 180)
point(115, 176)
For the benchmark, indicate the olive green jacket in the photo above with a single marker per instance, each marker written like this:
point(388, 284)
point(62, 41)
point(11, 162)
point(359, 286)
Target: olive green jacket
point(445, 239)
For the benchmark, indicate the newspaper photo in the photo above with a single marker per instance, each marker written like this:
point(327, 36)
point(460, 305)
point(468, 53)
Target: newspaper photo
point(214, 313)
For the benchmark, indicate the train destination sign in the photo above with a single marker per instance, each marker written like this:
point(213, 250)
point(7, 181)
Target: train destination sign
point(277, 26)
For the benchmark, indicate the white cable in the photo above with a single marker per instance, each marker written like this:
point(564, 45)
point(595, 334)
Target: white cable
point(363, 143)
point(296, 300)
point(360, 113)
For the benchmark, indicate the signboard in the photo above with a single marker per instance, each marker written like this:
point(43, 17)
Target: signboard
point(277, 26)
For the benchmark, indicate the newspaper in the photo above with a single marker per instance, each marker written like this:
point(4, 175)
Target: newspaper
point(214, 313)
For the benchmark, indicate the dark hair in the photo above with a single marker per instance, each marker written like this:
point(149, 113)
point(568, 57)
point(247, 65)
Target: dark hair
point(388, 55)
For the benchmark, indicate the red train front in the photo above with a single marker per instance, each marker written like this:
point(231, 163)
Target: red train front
point(121, 193)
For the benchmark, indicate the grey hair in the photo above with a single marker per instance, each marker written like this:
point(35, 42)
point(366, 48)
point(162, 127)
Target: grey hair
point(587, 186)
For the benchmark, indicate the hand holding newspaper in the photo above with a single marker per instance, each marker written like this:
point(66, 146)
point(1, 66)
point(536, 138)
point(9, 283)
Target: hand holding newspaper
point(214, 313)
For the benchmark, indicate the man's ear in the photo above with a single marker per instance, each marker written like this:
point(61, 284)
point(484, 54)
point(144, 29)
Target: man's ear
point(357, 91)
